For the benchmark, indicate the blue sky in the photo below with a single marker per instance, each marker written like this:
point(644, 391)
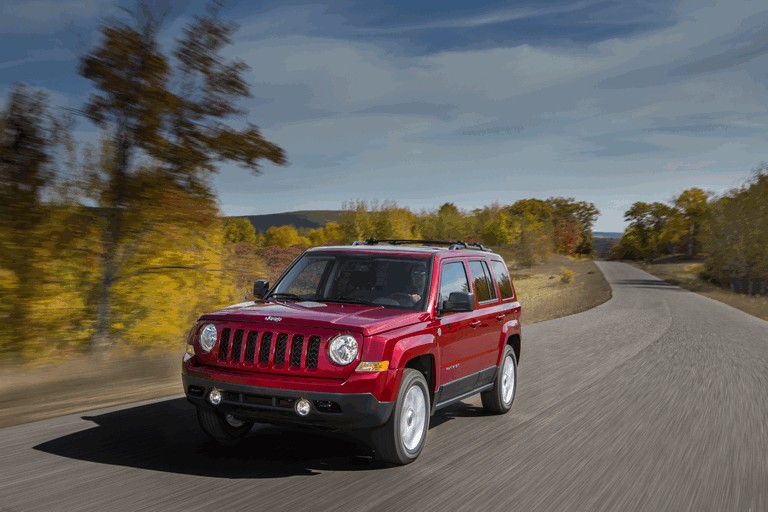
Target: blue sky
point(470, 102)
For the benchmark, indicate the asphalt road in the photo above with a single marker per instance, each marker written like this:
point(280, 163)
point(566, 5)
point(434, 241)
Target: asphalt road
point(655, 400)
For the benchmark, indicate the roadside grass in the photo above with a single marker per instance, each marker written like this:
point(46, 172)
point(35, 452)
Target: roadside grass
point(559, 287)
point(30, 393)
point(686, 274)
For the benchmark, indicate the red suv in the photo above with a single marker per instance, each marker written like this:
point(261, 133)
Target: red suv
point(377, 336)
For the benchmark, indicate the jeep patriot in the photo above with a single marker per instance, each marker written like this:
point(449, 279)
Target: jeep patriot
point(374, 336)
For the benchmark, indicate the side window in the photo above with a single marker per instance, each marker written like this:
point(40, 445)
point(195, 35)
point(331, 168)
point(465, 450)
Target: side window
point(501, 273)
point(452, 279)
point(481, 278)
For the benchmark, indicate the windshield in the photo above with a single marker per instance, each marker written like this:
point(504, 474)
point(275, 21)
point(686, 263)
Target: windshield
point(397, 282)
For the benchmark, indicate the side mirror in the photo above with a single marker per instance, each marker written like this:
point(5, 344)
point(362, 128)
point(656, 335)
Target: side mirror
point(458, 301)
point(260, 288)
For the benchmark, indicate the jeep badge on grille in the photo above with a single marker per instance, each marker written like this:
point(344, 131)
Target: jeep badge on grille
point(273, 318)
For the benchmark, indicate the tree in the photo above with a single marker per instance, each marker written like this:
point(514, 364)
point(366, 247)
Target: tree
point(738, 236)
point(284, 236)
point(355, 220)
point(239, 230)
point(181, 129)
point(573, 223)
point(643, 237)
point(27, 137)
point(535, 241)
point(693, 207)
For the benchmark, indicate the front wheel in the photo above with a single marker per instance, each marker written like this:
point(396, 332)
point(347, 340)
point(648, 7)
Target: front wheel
point(499, 399)
point(400, 440)
point(225, 429)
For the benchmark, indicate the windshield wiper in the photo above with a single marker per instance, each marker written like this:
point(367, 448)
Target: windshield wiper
point(350, 300)
point(281, 295)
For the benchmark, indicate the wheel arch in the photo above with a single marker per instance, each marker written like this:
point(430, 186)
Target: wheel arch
point(514, 342)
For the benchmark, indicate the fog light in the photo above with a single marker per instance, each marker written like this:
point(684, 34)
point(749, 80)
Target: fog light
point(214, 396)
point(302, 407)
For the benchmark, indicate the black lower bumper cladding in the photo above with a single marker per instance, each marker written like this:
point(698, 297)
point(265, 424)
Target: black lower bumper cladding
point(337, 411)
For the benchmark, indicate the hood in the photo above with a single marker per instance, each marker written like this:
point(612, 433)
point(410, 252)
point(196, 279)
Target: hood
point(368, 320)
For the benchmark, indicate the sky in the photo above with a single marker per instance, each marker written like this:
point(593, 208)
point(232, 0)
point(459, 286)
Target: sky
point(472, 103)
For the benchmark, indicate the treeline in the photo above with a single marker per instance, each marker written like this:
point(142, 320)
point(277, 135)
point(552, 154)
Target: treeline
point(531, 229)
point(730, 232)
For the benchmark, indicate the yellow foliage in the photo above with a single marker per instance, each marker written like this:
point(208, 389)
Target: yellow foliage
point(566, 275)
point(161, 296)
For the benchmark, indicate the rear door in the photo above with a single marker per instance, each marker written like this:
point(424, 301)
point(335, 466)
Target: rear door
point(488, 315)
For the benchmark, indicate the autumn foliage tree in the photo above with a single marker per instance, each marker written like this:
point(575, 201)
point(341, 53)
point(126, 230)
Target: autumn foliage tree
point(165, 124)
point(737, 237)
point(27, 133)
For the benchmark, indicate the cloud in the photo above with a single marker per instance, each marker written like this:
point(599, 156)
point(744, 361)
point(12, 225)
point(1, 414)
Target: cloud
point(482, 20)
point(689, 166)
point(40, 55)
point(25, 16)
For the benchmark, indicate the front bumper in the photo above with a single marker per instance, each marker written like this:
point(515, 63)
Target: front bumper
point(334, 411)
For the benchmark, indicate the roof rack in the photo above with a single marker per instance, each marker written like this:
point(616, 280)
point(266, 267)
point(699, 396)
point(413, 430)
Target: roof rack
point(452, 245)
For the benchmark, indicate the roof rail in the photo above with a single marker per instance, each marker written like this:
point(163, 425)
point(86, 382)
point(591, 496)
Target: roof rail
point(452, 245)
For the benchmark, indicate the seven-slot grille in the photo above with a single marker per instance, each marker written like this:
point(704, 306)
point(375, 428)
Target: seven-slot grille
point(255, 348)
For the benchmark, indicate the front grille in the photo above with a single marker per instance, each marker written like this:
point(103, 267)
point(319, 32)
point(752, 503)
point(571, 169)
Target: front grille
point(245, 348)
point(224, 345)
point(250, 347)
point(313, 352)
point(282, 341)
point(298, 343)
point(266, 346)
point(237, 345)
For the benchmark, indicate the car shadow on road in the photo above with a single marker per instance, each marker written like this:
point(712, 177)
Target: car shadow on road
point(164, 436)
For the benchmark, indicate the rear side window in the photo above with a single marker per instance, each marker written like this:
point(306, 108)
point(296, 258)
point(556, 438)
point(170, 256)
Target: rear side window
point(501, 273)
point(453, 279)
point(481, 277)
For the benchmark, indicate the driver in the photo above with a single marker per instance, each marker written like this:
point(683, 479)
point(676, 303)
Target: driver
point(418, 280)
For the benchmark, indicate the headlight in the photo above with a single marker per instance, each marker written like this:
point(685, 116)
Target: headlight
point(343, 349)
point(208, 337)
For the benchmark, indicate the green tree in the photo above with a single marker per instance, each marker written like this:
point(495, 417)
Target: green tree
point(643, 237)
point(175, 113)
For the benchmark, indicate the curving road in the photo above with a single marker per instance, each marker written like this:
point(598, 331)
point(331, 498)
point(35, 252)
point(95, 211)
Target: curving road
point(655, 400)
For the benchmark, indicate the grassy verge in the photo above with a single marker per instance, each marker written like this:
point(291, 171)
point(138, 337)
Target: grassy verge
point(557, 288)
point(686, 275)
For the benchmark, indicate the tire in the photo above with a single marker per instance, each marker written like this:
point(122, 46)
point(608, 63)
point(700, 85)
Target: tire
point(498, 400)
point(400, 440)
point(225, 429)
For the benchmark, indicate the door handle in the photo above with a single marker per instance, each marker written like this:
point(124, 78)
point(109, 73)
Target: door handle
point(474, 323)
point(500, 317)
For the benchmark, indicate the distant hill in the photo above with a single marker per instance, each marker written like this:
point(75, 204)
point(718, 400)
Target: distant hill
point(299, 219)
point(606, 234)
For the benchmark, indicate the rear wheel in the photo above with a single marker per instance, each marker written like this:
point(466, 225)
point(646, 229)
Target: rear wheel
point(401, 439)
point(499, 399)
point(225, 429)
